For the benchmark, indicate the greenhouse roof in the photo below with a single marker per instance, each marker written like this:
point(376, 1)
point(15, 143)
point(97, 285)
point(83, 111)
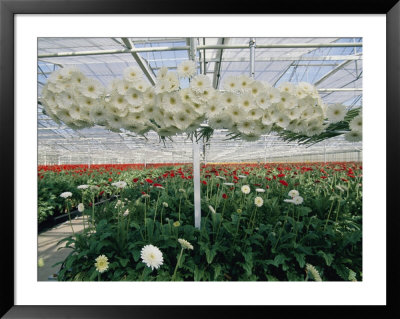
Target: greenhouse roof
point(333, 65)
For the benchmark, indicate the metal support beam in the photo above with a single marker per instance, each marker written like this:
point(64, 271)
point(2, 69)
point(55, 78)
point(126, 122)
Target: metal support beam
point(331, 72)
point(140, 61)
point(252, 45)
point(203, 47)
point(217, 66)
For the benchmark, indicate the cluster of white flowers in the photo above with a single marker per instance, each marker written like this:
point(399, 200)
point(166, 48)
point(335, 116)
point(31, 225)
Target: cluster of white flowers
point(119, 184)
point(250, 108)
point(355, 135)
point(245, 106)
point(295, 197)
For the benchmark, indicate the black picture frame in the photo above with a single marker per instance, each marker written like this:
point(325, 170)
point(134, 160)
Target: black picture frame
point(8, 10)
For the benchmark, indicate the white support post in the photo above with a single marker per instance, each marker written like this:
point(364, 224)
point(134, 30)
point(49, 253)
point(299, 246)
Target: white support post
point(196, 158)
point(196, 182)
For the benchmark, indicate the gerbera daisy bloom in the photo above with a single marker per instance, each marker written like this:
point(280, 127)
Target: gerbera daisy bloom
point(297, 200)
point(227, 99)
point(231, 83)
point(187, 69)
point(122, 86)
point(286, 87)
point(356, 123)
point(182, 120)
point(244, 82)
point(262, 100)
point(256, 87)
point(336, 113)
point(245, 189)
point(101, 263)
point(293, 193)
point(152, 256)
point(66, 194)
point(274, 95)
point(220, 120)
point(162, 73)
point(246, 126)
point(134, 97)
point(199, 83)
point(81, 207)
point(246, 101)
point(132, 74)
point(258, 201)
point(91, 88)
point(353, 136)
point(119, 184)
point(185, 244)
point(260, 190)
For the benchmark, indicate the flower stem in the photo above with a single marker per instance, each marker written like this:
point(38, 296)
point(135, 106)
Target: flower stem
point(177, 265)
point(69, 217)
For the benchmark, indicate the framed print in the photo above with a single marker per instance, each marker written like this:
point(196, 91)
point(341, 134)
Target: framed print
point(187, 163)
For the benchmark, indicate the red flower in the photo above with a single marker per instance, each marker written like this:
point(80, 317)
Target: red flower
point(317, 181)
point(267, 186)
point(284, 183)
point(157, 185)
point(144, 193)
point(344, 180)
point(110, 179)
point(148, 180)
point(224, 196)
point(281, 175)
point(101, 193)
point(323, 177)
point(204, 182)
point(235, 177)
point(135, 180)
point(268, 178)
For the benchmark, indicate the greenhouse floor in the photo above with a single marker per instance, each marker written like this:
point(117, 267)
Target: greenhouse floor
point(48, 248)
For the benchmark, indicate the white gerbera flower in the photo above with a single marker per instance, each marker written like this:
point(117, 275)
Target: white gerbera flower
point(246, 101)
point(149, 95)
point(274, 95)
point(122, 86)
point(133, 74)
point(171, 102)
point(114, 121)
point(282, 121)
point(262, 100)
point(287, 100)
point(256, 87)
point(91, 88)
point(287, 87)
point(213, 107)
point(221, 177)
point(173, 81)
point(293, 113)
point(245, 189)
point(81, 207)
point(141, 85)
point(231, 83)
point(266, 118)
point(66, 194)
point(149, 111)
point(242, 176)
point(162, 73)
point(244, 82)
point(101, 263)
point(353, 136)
point(227, 99)
point(236, 113)
point(297, 200)
point(246, 126)
point(229, 184)
point(199, 83)
point(118, 100)
point(152, 256)
point(220, 120)
point(356, 123)
point(255, 114)
point(119, 184)
point(187, 69)
point(134, 97)
point(293, 193)
point(83, 186)
point(165, 204)
point(185, 244)
point(182, 120)
point(258, 201)
point(336, 113)
point(260, 190)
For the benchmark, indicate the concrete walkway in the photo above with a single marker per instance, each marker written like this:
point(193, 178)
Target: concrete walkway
point(48, 248)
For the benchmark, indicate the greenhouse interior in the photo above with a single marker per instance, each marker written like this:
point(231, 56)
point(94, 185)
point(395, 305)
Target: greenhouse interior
point(199, 159)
